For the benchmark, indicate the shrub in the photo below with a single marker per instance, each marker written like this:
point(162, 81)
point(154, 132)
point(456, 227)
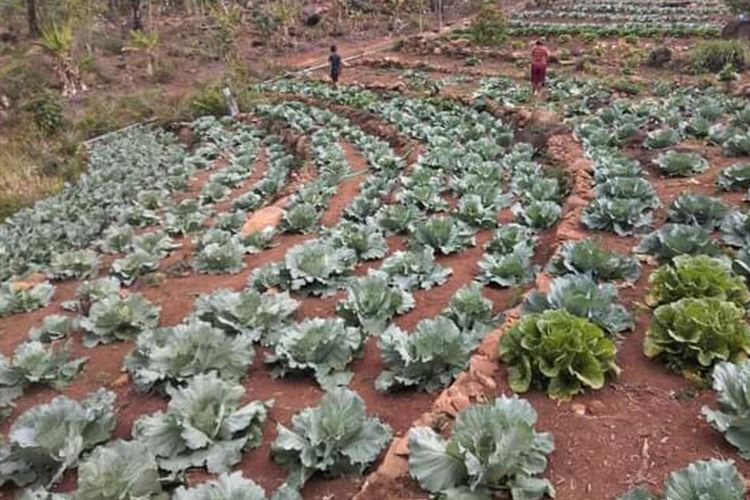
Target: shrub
point(46, 111)
point(490, 26)
point(713, 55)
point(696, 277)
point(557, 352)
point(494, 446)
point(691, 335)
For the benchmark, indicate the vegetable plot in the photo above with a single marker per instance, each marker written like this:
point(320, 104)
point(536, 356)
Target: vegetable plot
point(402, 227)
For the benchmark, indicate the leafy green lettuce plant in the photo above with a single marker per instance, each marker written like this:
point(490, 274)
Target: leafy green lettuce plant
point(557, 352)
point(696, 277)
point(691, 335)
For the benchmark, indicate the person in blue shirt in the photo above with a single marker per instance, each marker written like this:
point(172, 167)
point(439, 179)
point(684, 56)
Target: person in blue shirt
point(335, 61)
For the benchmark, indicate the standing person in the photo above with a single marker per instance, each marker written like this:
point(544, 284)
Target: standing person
point(335, 61)
point(539, 56)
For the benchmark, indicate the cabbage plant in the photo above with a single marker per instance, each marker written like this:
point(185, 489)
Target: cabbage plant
point(590, 258)
point(74, 264)
point(672, 240)
point(735, 229)
point(732, 383)
point(676, 164)
point(507, 270)
point(231, 487)
point(507, 237)
point(261, 316)
point(224, 257)
point(372, 301)
point(446, 235)
point(493, 446)
point(18, 297)
point(537, 214)
point(323, 346)
point(662, 138)
point(174, 355)
point(691, 335)
point(621, 216)
point(204, 426)
point(697, 210)
point(53, 327)
point(735, 177)
point(119, 469)
point(366, 240)
point(415, 269)
point(582, 296)
point(709, 479)
point(316, 268)
point(429, 358)
point(557, 352)
point(696, 277)
point(114, 318)
point(134, 265)
point(633, 188)
point(397, 218)
point(471, 311)
point(335, 438)
point(35, 363)
point(48, 439)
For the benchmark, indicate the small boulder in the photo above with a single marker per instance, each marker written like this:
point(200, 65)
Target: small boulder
point(659, 57)
point(264, 218)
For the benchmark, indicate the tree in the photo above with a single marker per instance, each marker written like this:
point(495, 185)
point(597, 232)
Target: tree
point(135, 7)
point(31, 18)
point(58, 42)
point(739, 6)
point(147, 43)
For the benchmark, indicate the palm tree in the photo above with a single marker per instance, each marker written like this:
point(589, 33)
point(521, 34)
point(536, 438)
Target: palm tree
point(58, 42)
point(146, 42)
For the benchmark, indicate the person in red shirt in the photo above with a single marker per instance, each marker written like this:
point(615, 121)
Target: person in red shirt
point(539, 56)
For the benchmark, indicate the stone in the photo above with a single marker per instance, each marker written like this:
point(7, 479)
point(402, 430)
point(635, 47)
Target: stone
point(28, 282)
point(659, 57)
point(264, 218)
point(578, 409)
point(120, 381)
